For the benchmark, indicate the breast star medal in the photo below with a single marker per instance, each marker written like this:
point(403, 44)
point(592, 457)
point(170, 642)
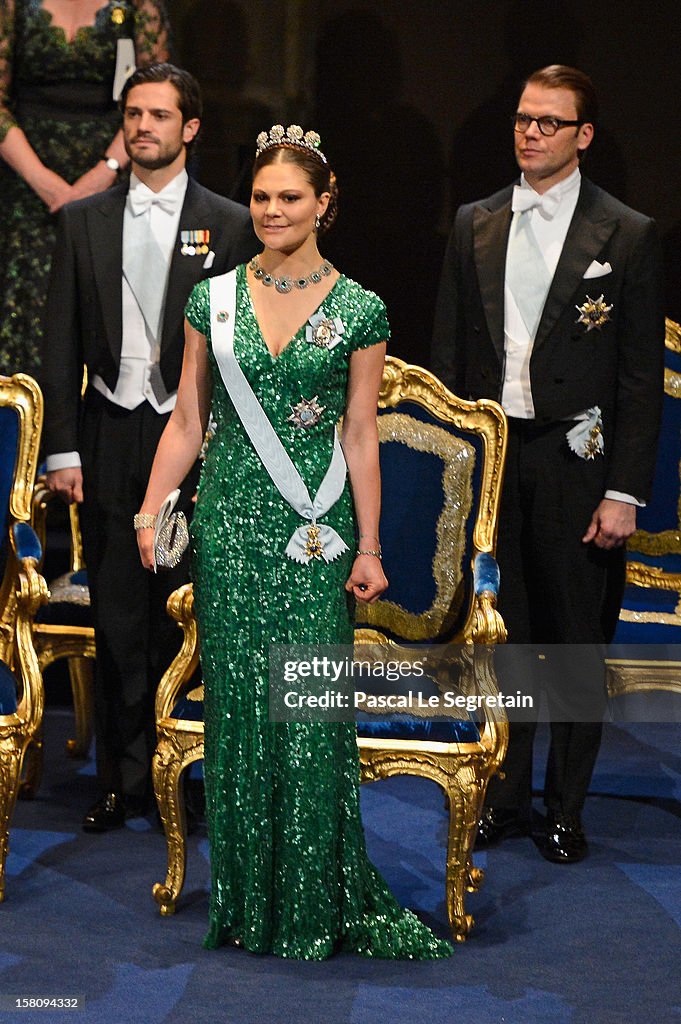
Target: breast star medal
point(307, 413)
point(313, 546)
point(593, 313)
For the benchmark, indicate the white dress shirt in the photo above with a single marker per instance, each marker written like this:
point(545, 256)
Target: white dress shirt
point(137, 347)
point(550, 232)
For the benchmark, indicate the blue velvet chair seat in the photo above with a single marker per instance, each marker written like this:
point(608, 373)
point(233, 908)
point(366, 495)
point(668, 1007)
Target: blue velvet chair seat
point(69, 603)
point(8, 691)
point(432, 730)
point(401, 727)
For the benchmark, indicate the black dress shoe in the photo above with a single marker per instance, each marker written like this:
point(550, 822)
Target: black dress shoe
point(497, 824)
point(109, 812)
point(564, 841)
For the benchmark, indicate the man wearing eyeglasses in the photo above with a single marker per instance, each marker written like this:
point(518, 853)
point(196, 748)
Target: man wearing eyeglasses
point(550, 303)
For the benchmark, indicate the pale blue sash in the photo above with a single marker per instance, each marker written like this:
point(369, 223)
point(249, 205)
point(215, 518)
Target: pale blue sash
point(307, 542)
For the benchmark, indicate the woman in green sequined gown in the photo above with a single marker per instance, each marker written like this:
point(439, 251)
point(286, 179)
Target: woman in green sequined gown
point(57, 121)
point(290, 874)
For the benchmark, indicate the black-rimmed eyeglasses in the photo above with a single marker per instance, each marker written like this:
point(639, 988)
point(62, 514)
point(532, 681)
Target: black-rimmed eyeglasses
point(547, 125)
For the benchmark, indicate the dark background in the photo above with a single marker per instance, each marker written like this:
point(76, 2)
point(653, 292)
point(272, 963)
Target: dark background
point(412, 102)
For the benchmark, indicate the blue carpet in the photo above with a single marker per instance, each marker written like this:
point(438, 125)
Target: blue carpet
point(593, 943)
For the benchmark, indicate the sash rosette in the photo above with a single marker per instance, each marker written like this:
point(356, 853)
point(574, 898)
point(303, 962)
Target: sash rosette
point(324, 331)
point(586, 437)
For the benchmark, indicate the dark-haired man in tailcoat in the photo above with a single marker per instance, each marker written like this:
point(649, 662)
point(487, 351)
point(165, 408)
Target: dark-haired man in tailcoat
point(124, 265)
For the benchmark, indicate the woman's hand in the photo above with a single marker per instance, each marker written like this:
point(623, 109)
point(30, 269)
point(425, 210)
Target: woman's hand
point(145, 542)
point(97, 179)
point(367, 580)
point(53, 190)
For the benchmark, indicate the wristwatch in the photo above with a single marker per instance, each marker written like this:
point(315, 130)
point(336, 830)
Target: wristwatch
point(112, 163)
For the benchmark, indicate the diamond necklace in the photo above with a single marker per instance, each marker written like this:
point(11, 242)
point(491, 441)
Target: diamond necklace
point(287, 284)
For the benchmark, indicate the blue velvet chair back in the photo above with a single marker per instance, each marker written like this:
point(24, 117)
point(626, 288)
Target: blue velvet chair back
point(9, 435)
point(651, 612)
point(441, 470)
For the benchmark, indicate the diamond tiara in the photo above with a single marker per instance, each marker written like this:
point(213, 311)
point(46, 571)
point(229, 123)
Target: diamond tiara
point(291, 136)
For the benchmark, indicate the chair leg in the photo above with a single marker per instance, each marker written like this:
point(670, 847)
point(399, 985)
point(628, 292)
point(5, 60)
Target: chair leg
point(10, 771)
point(32, 766)
point(460, 875)
point(166, 769)
point(82, 689)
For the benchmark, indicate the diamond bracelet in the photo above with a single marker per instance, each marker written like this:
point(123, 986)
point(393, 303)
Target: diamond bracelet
point(378, 553)
point(144, 520)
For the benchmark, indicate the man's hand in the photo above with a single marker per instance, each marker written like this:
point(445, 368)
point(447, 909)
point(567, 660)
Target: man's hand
point(67, 483)
point(611, 524)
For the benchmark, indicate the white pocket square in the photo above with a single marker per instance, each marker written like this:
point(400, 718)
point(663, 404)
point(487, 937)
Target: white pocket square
point(597, 269)
point(208, 262)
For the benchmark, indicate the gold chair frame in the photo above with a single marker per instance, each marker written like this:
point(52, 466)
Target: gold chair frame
point(22, 592)
point(462, 770)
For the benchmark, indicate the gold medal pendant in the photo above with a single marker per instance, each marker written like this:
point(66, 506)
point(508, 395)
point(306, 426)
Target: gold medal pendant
point(313, 547)
point(593, 445)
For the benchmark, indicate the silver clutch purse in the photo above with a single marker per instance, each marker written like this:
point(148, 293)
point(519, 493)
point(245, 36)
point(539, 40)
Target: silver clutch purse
point(171, 535)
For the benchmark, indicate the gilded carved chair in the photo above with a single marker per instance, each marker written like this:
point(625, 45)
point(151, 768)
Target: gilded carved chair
point(22, 590)
point(63, 630)
point(643, 656)
point(441, 473)
point(442, 466)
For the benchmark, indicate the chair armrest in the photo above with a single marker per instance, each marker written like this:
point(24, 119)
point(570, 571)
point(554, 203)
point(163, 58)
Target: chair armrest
point(25, 542)
point(42, 497)
point(641, 575)
point(486, 624)
point(485, 574)
point(181, 608)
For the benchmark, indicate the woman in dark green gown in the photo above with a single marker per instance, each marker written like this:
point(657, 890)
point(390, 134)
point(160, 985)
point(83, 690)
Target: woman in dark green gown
point(58, 121)
point(290, 873)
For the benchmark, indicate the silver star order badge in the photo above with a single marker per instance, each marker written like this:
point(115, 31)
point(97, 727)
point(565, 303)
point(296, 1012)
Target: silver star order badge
point(307, 413)
point(593, 313)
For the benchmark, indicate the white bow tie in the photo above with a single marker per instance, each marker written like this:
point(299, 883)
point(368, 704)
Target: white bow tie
point(526, 199)
point(141, 202)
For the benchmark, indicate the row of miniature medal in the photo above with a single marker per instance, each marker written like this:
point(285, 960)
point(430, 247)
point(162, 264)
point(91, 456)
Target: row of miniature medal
point(196, 242)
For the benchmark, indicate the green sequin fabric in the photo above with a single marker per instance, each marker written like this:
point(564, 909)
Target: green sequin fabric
point(290, 874)
point(35, 58)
